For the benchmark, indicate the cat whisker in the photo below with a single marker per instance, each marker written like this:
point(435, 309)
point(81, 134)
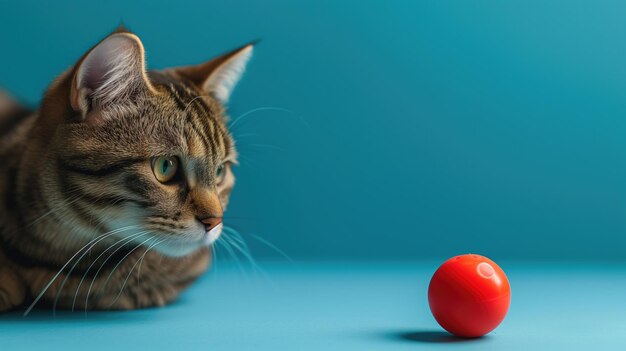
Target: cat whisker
point(214, 258)
point(272, 246)
point(141, 263)
point(122, 242)
point(133, 268)
point(232, 254)
point(102, 266)
point(239, 119)
point(248, 159)
point(246, 253)
point(47, 286)
point(262, 240)
point(106, 282)
point(144, 255)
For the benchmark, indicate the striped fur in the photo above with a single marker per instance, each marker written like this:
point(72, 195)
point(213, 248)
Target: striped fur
point(83, 221)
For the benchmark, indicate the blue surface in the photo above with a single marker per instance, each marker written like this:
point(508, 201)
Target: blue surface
point(346, 307)
point(418, 130)
point(432, 127)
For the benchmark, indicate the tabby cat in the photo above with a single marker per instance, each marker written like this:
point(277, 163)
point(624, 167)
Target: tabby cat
point(112, 193)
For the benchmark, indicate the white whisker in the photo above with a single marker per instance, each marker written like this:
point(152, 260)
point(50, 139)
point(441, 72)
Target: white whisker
point(102, 266)
point(133, 268)
point(43, 291)
point(122, 242)
point(237, 120)
point(106, 282)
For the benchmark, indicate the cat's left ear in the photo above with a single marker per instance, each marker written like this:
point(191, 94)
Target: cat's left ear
point(219, 76)
point(111, 73)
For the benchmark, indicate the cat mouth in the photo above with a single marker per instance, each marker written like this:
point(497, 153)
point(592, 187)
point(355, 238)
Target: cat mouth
point(182, 246)
point(210, 236)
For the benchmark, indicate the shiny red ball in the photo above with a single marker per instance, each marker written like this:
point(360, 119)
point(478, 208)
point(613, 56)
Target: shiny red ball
point(469, 295)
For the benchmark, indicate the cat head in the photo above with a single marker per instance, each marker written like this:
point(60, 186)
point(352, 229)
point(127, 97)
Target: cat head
point(140, 155)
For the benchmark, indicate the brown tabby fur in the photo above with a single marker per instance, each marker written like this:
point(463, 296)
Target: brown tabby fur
point(65, 181)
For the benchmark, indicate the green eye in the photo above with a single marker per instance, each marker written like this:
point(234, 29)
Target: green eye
point(219, 172)
point(165, 168)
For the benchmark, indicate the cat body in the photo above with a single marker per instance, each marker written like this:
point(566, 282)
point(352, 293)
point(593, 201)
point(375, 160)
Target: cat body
point(113, 191)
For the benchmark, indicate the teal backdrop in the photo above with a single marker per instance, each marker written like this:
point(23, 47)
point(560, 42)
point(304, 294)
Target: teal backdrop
point(391, 130)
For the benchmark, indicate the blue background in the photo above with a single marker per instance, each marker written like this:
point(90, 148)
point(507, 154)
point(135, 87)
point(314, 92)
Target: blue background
point(419, 129)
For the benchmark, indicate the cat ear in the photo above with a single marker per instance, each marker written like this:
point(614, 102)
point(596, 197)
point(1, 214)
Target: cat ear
point(219, 76)
point(112, 72)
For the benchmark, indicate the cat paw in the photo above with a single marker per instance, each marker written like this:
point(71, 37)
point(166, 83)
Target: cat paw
point(12, 291)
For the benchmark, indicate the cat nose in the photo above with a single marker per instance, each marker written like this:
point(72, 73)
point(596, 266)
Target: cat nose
point(211, 222)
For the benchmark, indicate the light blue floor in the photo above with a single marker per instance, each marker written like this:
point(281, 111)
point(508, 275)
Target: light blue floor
point(343, 307)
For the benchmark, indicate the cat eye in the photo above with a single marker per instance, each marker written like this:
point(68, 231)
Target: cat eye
point(220, 172)
point(165, 168)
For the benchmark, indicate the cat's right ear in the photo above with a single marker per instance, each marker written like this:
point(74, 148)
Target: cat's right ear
point(219, 76)
point(111, 73)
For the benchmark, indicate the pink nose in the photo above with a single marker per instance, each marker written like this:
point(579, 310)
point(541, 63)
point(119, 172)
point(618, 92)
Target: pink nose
point(211, 222)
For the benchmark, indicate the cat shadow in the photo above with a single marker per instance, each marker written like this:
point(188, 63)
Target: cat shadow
point(47, 315)
point(432, 336)
point(44, 315)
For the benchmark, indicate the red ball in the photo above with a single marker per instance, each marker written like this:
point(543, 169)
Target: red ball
point(469, 295)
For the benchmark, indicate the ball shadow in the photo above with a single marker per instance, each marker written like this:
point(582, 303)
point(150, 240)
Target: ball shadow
point(433, 336)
